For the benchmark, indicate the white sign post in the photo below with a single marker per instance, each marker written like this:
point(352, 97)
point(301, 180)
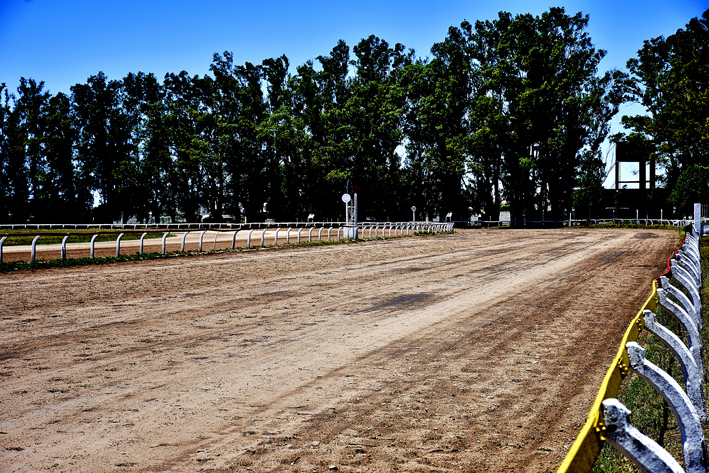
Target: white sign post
point(346, 199)
point(354, 218)
point(413, 209)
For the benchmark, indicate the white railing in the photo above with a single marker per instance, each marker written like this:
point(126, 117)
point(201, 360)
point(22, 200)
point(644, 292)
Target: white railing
point(312, 230)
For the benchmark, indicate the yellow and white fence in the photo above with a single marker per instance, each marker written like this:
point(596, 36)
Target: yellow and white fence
point(608, 419)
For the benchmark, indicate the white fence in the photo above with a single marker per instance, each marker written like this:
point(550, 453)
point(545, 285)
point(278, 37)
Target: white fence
point(267, 235)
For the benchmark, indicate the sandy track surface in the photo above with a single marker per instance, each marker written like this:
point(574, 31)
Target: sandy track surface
point(479, 351)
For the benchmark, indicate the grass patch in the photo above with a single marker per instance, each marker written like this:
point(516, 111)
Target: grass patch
point(64, 263)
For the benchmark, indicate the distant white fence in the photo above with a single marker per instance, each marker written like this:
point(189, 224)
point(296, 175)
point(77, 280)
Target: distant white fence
point(267, 234)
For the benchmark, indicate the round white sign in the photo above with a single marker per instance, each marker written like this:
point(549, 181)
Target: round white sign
point(346, 198)
point(413, 208)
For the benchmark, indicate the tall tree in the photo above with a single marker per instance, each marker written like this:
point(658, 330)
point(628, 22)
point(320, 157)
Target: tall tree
point(146, 106)
point(374, 119)
point(24, 159)
point(185, 110)
point(105, 149)
point(67, 199)
point(271, 132)
point(671, 80)
point(14, 176)
point(437, 126)
point(558, 108)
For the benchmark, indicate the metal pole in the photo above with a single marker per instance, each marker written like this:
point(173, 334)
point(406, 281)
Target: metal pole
point(354, 232)
point(63, 247)
point(93, 239)
point(34, 247)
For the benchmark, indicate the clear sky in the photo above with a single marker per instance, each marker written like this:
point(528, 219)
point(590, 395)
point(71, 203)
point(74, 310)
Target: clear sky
point(63, 42)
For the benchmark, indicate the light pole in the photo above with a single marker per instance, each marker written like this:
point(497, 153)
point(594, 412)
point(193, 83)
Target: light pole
point(346, 199)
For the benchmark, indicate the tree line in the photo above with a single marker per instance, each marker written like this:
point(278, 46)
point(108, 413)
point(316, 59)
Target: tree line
point(512, 109)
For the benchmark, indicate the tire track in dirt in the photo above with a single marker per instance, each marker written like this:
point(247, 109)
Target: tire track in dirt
point(244, 361)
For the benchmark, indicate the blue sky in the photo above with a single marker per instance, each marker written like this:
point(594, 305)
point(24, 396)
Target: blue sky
point(63, 42)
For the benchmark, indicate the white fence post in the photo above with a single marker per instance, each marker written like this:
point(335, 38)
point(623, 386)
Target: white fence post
point(93, 239)
point(118, 244)
point(2, 240)
point(632, 443)
point(694, 446)
point(692, 375)
point(201, 240)
point(182, 245)
point(63, 247)
point(142, 237)
point(34, 247)
point(681, 275)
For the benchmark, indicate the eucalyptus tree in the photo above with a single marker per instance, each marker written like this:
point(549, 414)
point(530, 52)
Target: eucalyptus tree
point(185, 110)
point(276, 134)
point(146, 105)
point(251, 145)
point(318, 169)
point(14, 176)
point(437, 127)
point(36, 175)
point(544, 79)
point(4, 143)
point(332, 149)
point(492, 136)
point(30, 108)
point(373, 119)
point(105, 145)
point(216, 128)
point(67, 200)
point(671, 80)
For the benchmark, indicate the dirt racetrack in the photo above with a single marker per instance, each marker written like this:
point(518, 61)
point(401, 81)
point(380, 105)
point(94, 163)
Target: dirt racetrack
point(478, 351)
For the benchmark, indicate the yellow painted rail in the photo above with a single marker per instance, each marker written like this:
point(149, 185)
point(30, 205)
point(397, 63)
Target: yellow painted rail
point(587, 446)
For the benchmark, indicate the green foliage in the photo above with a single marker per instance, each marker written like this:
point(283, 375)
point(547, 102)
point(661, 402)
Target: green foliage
point(692, 186)
point(512, 109)
point(670, 77)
